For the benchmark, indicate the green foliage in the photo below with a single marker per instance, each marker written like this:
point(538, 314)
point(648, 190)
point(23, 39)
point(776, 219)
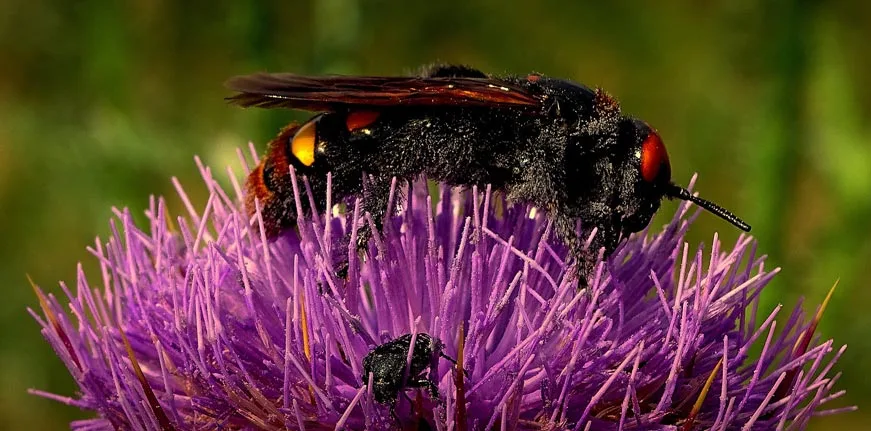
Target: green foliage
point(102, 102)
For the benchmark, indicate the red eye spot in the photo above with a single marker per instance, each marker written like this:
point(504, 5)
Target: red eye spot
point(361, 119)
point(654, 159)
point(533, 77)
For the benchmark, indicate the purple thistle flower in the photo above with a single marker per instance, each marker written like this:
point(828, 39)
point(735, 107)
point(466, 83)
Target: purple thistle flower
point(209, 326)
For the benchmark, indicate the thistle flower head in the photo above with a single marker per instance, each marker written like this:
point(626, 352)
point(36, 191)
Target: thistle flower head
point(208, 326)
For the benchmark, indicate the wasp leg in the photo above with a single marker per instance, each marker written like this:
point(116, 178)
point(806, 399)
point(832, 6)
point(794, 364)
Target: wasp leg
point(565, 228)
point(317, 185)
point(607, 237)
point(312, 198)
point(376, 195)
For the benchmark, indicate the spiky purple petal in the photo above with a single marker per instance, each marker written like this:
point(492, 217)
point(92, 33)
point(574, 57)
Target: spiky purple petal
point(231, 331)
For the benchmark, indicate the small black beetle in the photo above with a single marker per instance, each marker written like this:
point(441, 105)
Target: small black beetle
point(387, 362)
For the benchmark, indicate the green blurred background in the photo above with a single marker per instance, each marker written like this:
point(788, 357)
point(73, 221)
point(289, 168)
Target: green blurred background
point(102, 102)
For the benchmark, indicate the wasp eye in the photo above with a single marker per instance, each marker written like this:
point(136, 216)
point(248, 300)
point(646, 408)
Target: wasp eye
point(654, 159)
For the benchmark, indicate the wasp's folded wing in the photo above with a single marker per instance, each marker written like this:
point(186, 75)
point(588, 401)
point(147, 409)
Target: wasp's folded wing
point(329, 93)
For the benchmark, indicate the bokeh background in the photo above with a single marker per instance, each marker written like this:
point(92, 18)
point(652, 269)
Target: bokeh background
point(101, 102)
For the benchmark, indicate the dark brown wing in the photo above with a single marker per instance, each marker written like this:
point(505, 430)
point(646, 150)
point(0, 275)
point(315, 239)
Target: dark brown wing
point(329, 93)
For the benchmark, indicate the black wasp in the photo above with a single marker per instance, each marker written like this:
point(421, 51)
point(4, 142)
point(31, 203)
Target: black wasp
point(552, 143)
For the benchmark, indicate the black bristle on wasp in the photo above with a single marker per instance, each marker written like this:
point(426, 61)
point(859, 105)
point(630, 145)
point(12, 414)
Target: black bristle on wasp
point(560, 146)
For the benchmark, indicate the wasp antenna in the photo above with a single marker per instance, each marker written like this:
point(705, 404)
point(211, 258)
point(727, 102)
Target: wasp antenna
point(679, 192)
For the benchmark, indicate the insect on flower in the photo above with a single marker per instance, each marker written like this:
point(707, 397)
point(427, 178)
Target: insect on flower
point(552, 143)
point(154, 348)
point(387, 365)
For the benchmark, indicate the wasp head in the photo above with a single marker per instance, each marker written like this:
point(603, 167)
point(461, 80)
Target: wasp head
point(647, 179)
point(644, 175)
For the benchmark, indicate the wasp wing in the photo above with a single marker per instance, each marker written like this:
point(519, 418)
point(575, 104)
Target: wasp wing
point(330, 93)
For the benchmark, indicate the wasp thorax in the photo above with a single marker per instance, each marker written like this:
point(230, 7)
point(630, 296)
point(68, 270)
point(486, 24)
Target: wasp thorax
point(654, 160)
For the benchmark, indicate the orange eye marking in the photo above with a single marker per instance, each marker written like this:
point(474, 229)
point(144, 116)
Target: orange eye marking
point(533, 77)
point(654, 158)
point(361, 119)
point(303, 144)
